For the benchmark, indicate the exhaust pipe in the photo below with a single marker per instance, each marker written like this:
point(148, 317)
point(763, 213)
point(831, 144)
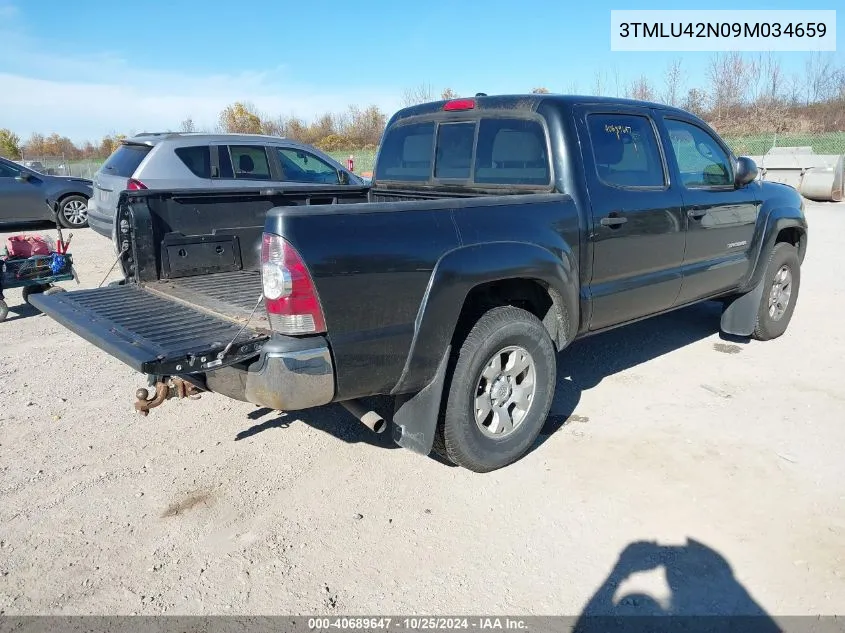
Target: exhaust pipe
point(370, 419)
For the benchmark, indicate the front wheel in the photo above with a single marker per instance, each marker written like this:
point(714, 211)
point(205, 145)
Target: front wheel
point(73, 212)
point(501, 391)
point(781, 282)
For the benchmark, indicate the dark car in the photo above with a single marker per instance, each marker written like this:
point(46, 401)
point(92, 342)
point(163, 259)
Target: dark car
point(24, 194)
point(497, 231)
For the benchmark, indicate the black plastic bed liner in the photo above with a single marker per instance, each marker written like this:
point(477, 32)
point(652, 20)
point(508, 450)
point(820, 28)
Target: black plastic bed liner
point(158, 334)
point(232, 295)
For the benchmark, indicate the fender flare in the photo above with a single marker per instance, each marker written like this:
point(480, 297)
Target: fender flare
point(456, 274)
point(740, 315)
point(775, 221)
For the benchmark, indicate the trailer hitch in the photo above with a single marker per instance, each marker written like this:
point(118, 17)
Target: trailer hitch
point(164, 390)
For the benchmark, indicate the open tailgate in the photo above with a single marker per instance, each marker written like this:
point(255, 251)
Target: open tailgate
point(150, 333)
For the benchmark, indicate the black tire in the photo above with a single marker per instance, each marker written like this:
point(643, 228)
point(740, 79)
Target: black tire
point(459, 437)
point(67, 216)
point(783, 257)
point(4, 310)
point(28, 291)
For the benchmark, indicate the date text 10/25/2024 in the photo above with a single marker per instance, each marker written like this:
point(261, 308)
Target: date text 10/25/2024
point(419, 623)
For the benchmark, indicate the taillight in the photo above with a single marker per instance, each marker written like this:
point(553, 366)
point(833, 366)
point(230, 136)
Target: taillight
point(135, 185)
point(459, 104)
point(290, 296)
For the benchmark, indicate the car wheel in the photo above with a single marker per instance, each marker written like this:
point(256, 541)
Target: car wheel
point(500, 392)
point(73, 212)
point(28, 291)
point(4, 310)
point(781, 282)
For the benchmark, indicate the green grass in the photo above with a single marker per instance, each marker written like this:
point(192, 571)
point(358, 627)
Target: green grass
point(756, 145)
point(364, 159)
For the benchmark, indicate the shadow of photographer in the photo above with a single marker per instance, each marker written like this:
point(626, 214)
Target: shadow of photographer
point(703, 594)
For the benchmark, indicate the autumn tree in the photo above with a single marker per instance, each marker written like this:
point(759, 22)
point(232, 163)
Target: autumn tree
point(448, 93)
point(10, 144)
point(35, 145)
point(187, 125)
point(540, 91)
point(672, 83)
point(640, 89)
point(273, 127)
point(696, 101)
point(728, 74)
point(422, 93)
point(240, 118)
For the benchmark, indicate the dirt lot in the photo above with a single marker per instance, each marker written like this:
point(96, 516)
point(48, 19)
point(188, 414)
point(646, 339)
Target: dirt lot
point(660, 431)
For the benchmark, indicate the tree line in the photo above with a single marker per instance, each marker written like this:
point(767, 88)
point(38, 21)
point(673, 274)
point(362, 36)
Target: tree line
point(740, 95)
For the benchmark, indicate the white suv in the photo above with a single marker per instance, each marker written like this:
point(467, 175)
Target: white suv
point(206, 161)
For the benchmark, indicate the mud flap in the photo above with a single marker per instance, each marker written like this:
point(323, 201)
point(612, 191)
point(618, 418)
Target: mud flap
point(415, 417)
point(740, 316)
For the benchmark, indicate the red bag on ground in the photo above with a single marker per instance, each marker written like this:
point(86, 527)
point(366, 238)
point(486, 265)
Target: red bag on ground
point(26, 246)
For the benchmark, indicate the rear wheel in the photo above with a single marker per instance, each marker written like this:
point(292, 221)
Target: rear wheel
point(500, 392)
point(73, 212)
point(4, 310)
point(781, 282)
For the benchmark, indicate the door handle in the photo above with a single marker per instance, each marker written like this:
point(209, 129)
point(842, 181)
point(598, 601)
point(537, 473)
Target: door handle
point(697, 214)
point(613, 221)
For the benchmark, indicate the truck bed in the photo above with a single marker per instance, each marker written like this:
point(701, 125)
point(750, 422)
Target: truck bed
point(192, 279)
point(230, 295)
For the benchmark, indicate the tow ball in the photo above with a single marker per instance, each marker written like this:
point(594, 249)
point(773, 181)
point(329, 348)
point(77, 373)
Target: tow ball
point(164, 390)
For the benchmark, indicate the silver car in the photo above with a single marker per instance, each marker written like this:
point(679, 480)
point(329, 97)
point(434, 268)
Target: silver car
point(207, 161)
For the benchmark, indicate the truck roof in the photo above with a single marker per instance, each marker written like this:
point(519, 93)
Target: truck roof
point(530, 102)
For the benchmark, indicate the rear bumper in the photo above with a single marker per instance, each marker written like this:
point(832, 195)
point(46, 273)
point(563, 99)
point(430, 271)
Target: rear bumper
point(289, 375)
point(99, 220)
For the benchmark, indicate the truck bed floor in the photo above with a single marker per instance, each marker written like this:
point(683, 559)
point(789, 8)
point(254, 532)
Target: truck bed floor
point(230, 295)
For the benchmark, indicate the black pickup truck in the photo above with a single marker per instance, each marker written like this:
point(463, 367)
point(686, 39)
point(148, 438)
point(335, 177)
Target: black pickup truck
point(496, 231)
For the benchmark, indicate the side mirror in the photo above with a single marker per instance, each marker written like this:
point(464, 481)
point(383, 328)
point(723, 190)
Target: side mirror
point(24, 177)
point(746, 171)
point(342, 177)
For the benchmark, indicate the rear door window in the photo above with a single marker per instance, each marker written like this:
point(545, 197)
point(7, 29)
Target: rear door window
point(249, 162)
point(454, 150)
point(125, 159)
point(512, 152)
point(625, 150)
point(197, 159)
point(406, 153)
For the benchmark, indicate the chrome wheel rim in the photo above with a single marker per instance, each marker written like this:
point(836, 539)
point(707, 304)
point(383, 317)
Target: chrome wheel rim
point(504, 392)
point(75, 211)
point(780, 293)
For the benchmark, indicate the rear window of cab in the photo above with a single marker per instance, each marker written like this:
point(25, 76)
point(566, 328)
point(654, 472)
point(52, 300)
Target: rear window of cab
point(488, 151)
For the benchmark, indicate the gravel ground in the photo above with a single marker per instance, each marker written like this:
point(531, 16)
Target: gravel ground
point(706, 474)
